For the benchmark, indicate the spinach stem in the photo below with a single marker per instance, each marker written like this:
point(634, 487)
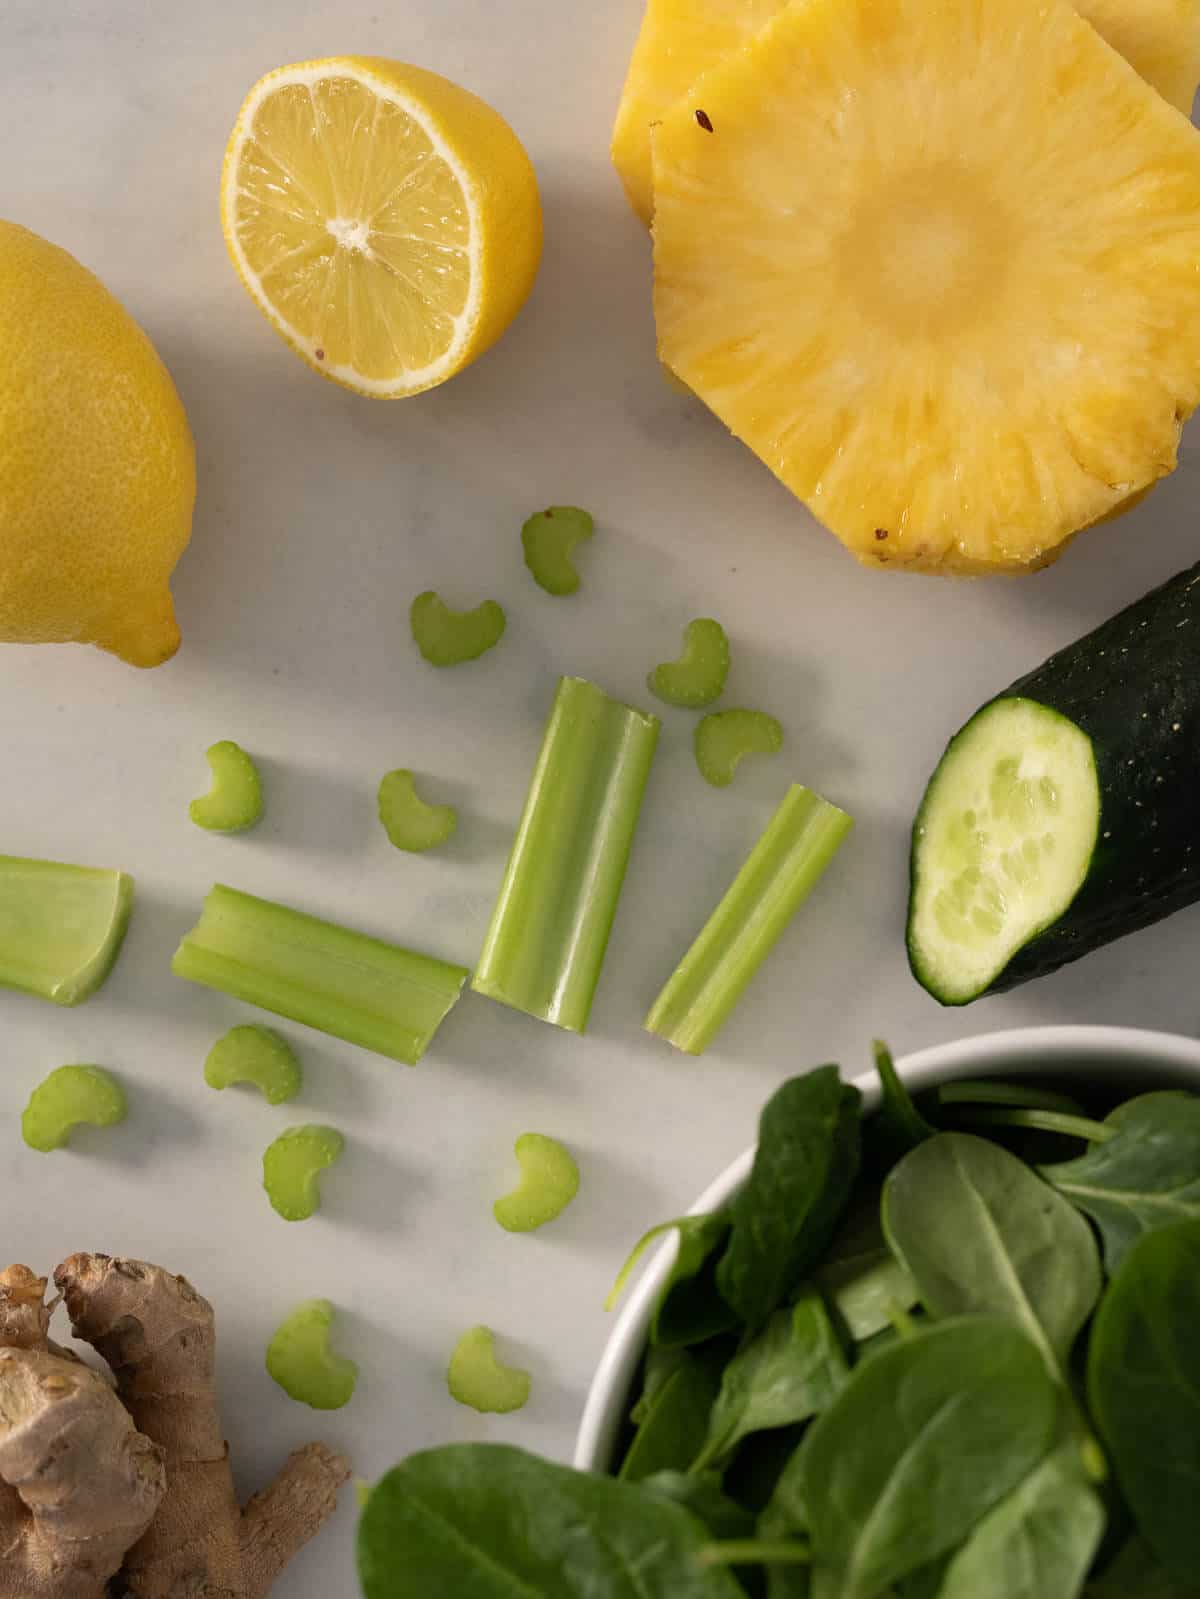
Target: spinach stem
point(1017, 1096)
point(635, 1254)
point(1046, 1121)
point(757, 1552)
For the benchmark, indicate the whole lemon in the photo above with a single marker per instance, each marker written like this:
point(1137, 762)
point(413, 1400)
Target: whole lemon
point(97, 465)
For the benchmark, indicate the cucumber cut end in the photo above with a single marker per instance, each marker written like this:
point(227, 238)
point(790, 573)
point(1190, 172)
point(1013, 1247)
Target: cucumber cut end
point(1001, 845)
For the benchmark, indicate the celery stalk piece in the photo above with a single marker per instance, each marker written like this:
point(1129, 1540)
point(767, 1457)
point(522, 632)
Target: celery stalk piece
point(698, 677)
point(549, 539)
point(783, 867)
point(302, 1361)
point(61, 927)
point(71, 1095)
point(549, 1182)
point(234, 803)
point(448, 638)
point(477, 1377)
point(368, 992)
point(549, 931)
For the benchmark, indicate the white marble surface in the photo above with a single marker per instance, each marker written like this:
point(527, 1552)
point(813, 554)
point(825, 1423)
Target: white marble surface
point(320, 514)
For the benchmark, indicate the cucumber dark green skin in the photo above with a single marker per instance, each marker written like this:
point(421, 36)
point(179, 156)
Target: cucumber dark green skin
point(1133, 686)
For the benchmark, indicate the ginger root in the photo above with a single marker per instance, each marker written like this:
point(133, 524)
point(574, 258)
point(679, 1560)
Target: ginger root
point(135, 1483)
point(80, 1483)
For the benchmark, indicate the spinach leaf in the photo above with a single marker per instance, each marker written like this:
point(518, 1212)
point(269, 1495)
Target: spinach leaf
point(497, 1523)
point(659, 1364)
point(702, 1494)
point(1038, 1541)
point(1146, 1174)
point(804, 1168)
point(925, 1582)
point(897, 1125)
point(1019, 1096)
point(752, 1475)
point(979, 1232)
point(917, 1447)
point(786, 1373)
point(690, 1308)
point(859, 1275)
point(1144, 1389)
point(676, 1421)
point(1136, 1574)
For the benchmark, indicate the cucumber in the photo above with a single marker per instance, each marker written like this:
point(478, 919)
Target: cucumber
point(1066, 813)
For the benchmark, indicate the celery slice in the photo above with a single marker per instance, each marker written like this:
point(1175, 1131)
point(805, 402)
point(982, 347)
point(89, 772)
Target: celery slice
point(302, 1361)
point(549, 539)
point(292, 1167)
point(368, 992)
point(799, 842)
point(477, 1377)
point(61, 927)
point(71, 1095)
point(549, 931)
point(698, 677)
point(549, 1182)
point(234, 803)
point(448, 638)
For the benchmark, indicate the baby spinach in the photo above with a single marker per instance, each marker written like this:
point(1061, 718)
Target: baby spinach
point(924, 1439)
point(658, 1365)
point(1146, 1174)
point(804, 1168)
point(758, 1463)
point(1038, 1542)
point(788, 1372)
point(497, 1523)
point(1136, 1574)
point(702, 1494)
point(690, 1308)
point(676, 1422)
point(897, 1125)
point(859, 1275)
point(979, 1232)
point(1144, 1388)
point(1017, 1096)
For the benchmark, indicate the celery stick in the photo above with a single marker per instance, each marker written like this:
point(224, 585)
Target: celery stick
point(549, 930)
point(61, 927)
point(799, 842)
point(358, 988)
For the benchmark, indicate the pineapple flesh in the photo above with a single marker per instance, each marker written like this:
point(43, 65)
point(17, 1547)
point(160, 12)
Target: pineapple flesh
point(937, 262)
point(681, 39)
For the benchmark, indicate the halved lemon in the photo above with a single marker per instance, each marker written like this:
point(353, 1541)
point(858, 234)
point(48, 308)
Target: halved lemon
point(384, 220)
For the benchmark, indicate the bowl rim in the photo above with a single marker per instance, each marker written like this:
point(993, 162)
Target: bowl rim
point(1113, 1051)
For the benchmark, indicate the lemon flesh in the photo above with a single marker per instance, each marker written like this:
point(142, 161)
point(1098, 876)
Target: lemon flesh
point(386, 221)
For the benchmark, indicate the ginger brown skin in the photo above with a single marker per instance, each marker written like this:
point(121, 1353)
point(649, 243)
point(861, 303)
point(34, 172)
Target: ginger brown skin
point(78, 1483)
point(157, 1335)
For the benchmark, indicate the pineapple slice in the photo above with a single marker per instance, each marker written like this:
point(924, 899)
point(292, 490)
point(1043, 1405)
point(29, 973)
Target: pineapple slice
point(937, 262)
point(680, 39)
point(1159, 38)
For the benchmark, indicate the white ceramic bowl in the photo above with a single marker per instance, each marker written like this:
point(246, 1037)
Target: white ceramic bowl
point(1123, 1054)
